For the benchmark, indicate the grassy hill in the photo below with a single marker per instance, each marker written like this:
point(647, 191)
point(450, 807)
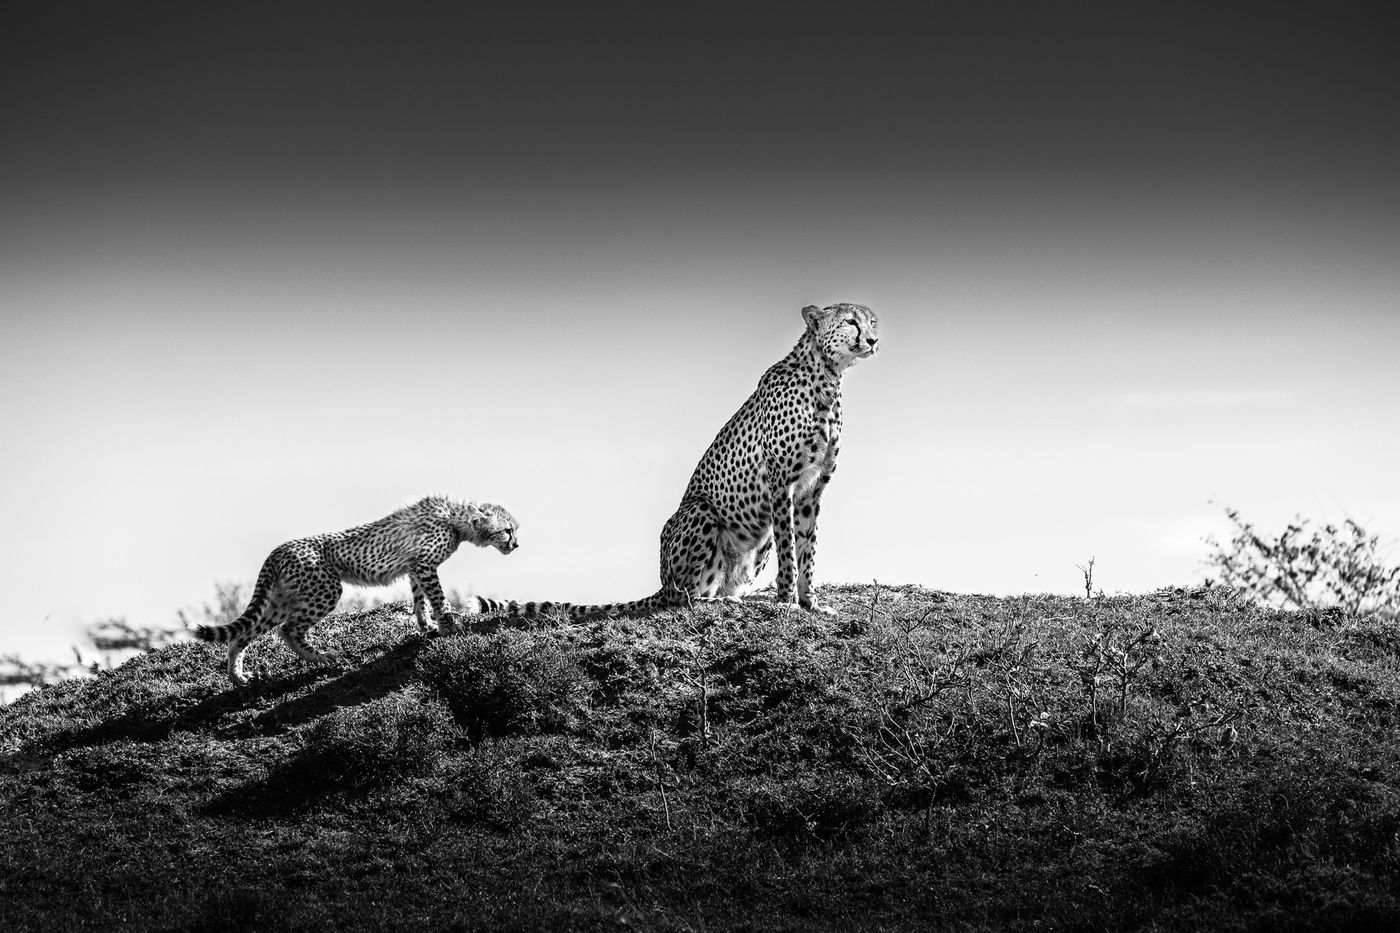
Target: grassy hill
point(924, 760)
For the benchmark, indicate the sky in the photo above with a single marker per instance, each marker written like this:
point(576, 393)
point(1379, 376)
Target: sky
point(269, 270)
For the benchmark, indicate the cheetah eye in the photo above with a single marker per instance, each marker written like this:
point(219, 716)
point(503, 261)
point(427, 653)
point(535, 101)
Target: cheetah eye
point(852, 322)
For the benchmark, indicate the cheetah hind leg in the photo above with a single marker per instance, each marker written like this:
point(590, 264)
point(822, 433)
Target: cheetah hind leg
point(294, 634)
point(740, 562)
point(314, 606)
point(239, 645)
point(692, 562)
point(744, 561)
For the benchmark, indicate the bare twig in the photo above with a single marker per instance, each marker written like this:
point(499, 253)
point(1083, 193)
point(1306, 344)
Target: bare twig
point(1088, 571)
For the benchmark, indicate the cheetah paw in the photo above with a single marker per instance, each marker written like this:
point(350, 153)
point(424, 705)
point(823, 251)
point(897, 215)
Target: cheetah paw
point(448, 625)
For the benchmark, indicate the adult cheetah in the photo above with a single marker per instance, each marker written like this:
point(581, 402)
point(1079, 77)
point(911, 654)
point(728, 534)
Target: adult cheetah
point(759, 485)
point(300, 582)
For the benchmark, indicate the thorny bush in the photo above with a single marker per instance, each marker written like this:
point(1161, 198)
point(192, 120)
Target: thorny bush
point(1308, 567)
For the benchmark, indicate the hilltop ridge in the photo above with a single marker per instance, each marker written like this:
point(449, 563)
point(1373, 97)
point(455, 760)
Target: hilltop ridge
point(1175, 760)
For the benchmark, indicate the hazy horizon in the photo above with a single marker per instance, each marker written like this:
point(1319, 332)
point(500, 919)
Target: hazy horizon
point(275, 270)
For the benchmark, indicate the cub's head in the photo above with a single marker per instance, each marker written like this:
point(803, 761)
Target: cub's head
point(495, 526)
point(843, 332)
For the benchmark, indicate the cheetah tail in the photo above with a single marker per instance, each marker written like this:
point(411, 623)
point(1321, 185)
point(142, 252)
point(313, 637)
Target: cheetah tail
point(229, 631)
point(512, 608)
point(665, 598)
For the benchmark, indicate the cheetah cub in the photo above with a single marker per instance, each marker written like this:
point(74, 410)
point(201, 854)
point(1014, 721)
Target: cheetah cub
point(759, 486)
point(300, 582)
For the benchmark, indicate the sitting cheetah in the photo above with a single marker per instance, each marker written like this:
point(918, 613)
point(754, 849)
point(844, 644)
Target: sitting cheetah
point(760, 484)
point(300, 582)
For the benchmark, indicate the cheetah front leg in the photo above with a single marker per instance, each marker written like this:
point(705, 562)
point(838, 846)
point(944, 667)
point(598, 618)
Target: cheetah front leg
point(806, 510)
point(424, 580)
point(783, 544)
point(416, 586)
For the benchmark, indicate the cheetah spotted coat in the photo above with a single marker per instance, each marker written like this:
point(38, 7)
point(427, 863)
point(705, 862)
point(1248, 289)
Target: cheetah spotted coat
point(300, 582)
point(759, 486)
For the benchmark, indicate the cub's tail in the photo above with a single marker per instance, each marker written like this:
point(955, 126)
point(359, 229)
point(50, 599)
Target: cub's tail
point(668, 597)
point(246, 623)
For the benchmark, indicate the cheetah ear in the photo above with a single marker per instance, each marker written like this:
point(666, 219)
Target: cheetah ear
point(812, 315)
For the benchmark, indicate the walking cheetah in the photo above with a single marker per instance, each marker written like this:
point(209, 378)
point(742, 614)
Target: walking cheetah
point(760, 484)
point(300, 582)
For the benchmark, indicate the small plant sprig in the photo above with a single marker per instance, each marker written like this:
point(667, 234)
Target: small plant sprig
point(1111, 663)
point(1022, 692)
point(908, 731)
point(1307, 567)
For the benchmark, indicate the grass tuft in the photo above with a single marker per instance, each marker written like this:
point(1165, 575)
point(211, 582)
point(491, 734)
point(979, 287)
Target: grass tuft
point(509, 682)
point(383, 741)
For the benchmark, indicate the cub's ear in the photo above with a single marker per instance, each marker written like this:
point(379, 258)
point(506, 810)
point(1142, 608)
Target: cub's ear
point(812, 315)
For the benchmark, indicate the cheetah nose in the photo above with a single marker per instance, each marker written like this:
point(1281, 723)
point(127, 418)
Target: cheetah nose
point(872, 341)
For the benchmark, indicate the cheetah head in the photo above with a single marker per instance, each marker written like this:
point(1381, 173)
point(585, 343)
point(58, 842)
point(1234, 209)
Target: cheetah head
point(496, 527)
point(843, 332)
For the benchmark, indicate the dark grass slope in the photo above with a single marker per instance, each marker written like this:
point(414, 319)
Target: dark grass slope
point(922, 761)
